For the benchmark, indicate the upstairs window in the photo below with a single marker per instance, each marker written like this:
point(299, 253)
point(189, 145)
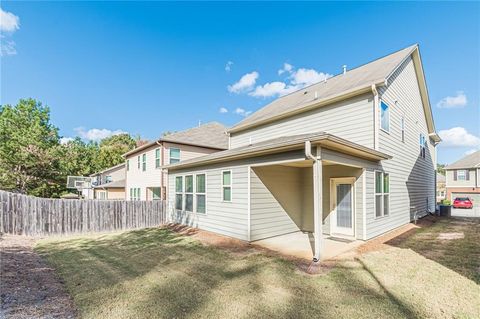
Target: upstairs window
point(423, 145)
point(138, 162)
point(461, 175)
point(382, 194)
point(108, 179)
point(144, 162)
point(227, 186)
point(128, 165)
point(384, 117)
point(157, 158)
point(174, 155)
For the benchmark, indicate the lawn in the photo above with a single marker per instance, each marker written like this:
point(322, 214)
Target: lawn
point(156, 273)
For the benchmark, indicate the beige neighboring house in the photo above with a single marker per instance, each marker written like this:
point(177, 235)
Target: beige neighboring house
point(349, 158)
point(463, 178)
point(441, 189)
point(109, 183)
point(145, 178)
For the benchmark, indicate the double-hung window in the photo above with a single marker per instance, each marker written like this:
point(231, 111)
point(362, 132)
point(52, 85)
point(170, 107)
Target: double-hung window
point(423, 145)
point(461, 175)
point(128, 165)
point(157, 158)
point(227, 186)
point(135, 193)
point(189, 193)
point(144, 162)
point(384, 116)
point(200, 194)
point(156, 193)
point(138, 162)
point(179, 192)
point(382, 194)
point(174, 155)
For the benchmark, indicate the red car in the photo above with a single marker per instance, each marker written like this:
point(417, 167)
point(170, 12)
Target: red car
point(462, 202)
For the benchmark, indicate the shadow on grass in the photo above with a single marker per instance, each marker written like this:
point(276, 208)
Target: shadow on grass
point(460, 255)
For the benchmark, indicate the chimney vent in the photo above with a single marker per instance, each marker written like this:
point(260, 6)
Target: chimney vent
point(316, 95)
point(344, 68)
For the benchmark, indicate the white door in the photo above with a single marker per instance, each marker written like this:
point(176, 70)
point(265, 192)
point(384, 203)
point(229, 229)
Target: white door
point(342, 204)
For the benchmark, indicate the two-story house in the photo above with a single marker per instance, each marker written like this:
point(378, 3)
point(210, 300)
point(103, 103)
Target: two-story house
point(109, 183)
point(463, 178)
point(351, 157)
point(145, 178)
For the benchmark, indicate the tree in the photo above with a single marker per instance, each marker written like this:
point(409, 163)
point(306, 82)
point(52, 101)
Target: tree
point(112, 148)
point(441, 169)
point(78, 158)
point(28, 149)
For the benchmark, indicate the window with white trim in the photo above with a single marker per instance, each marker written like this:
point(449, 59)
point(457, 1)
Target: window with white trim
point(135, 193)
point(156, 193)
point(138, 162)
point(382, 194)
point(423, 145)
point(461, 175)
point(179, 192)
point(189, 193)
point(128, 165)
point(174, 155)
point(157, 158)
point(384, 116)
point(144, 162)
point(200, 194)
point(227, 186)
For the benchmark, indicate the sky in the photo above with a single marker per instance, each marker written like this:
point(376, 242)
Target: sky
point(148, 67)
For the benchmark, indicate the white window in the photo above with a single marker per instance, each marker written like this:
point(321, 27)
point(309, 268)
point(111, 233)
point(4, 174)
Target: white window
point(174, 155)
point(128, 165)
point(108, 179)
point(144, 162)
point(402, 127)
point(227, 186)
point(423, 145)
point(179, 193)
point(135, 193)
point(462, 175)
point(384, 117)
point(102, 195)
point(382, 194)
point(189, 193)
point(157, 158)
point(200, 194)
point(138, 162)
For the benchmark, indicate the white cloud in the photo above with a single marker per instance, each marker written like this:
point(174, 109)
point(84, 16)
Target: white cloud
point(96, 134)
point(7, 47)
point(228, 66)
point(8, 21)
point(458, 137)
point(272, 89)
point(65, 140)
point(223, 110)
point(246, 83)
point(286, 68)
point(305, 77)
point(242, 112)
point(449, 102)
point(471, 151)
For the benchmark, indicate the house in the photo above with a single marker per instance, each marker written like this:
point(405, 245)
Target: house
point(463, 178)
point(145, 178)
point(109, 183)
point(441, 190)
point(348, 158)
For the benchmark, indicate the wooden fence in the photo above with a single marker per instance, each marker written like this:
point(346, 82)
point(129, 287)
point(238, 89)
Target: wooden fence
point(33, 216)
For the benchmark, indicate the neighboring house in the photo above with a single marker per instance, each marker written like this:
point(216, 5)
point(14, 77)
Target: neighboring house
point(463, 178)
point(109, 183)
point(441, 190)
point(145, 178)
point(351, 157)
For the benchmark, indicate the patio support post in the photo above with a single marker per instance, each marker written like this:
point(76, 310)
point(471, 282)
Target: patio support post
point(318, 205)
point(317, 198)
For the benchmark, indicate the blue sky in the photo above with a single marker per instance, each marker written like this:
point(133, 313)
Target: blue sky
point(146, 68)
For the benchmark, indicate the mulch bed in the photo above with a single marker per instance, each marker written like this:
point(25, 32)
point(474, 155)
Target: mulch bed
point(29, 288)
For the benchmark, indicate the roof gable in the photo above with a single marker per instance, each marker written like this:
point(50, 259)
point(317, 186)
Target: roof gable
point(469, 161)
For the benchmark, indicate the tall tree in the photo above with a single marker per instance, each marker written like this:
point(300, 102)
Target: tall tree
point(112, 148)
point(28, 149)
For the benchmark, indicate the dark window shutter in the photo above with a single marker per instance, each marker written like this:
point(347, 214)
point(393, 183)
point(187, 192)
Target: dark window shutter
point(454, 175)
point(467, 175)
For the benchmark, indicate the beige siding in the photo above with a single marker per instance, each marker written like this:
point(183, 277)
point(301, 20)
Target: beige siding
point(351, 119)
point(412, 178)
point(152, 176)
point(115, 193)
point(450, 182)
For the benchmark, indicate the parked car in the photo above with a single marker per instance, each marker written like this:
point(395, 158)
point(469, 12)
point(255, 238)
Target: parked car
point(462, 202)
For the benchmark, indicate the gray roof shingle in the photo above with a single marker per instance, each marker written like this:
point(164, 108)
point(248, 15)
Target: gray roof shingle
point(469, 161)
point(374, 72)
point(211, 134)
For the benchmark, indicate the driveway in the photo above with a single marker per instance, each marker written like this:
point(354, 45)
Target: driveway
point(462, 212)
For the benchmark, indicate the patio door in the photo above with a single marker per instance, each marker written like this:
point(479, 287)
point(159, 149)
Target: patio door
point(342, 204)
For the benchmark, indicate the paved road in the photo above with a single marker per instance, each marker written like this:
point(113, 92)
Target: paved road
point(462, 212)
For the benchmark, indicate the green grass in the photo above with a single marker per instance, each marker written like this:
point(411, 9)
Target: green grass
point(154, 273)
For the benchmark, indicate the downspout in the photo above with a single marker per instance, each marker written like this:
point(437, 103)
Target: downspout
point(317, 213)
point(376, 136)
point(161, 165)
